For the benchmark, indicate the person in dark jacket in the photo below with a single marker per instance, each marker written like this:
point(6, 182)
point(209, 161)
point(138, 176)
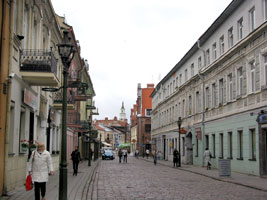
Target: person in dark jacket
point(175, 158)
point(120, 155)
point(75, 156)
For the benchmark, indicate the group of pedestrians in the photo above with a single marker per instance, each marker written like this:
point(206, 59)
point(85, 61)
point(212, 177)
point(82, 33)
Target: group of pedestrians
point(123, 153)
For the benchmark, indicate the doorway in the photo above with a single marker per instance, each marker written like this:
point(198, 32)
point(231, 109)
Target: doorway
point(31, 132)
point(263, 151)
point(189, 149)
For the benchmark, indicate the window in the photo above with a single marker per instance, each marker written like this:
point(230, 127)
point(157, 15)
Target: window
point(25, 27)
point(208, 56)
point(183, 145)
point(207, 97)
point(230, 87)
point(179, 111)
point(197, 102)
point(176, 81)
point(252, 76)
point(213, 95)
point(171, 88)
point(15, 23)
point(240, 29)
point(221, 45)
point(240, 144)
point(252, 144)
point(230, 145)
point(173, 85)
point(240, 81)
point(265, 67)
point(199, 63)
point(22, 126)
point(265, 9)
point(180, 80)
point(190, 105)
point(214, 145)
point(221, 146)
point(168, 90)
point(214, 51)
point(252, 19)
point(148, 112)
point(185, 75)
point(221, 91)
point(11, 132)
point(147, 128)
point(207, 141)
point(192, 70)
point(230, 38)
point(183, 109)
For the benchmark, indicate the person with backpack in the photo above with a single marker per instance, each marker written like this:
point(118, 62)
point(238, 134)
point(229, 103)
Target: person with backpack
point(207, 158)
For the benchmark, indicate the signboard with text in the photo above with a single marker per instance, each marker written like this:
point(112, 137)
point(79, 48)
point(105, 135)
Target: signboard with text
point(198, 132)
point(30, 99)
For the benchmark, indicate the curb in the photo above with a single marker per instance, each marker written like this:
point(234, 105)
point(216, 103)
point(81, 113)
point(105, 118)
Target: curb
point(87, 192)
point(218, 179)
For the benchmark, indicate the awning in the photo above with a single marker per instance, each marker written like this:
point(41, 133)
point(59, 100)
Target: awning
point(107, 144)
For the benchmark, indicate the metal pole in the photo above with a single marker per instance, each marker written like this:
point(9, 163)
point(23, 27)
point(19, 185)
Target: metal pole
point(89, 159)
point(63, 172)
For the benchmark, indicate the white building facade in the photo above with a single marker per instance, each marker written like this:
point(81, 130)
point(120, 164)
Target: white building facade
point(218, 88)
point(34, 63)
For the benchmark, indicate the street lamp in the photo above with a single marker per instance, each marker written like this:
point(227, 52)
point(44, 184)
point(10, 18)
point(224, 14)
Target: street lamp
point(179, 122)
point(66, 52)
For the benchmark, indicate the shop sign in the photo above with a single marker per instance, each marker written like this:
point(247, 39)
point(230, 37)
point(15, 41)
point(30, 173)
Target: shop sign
point(199, 134)
point(30, 99)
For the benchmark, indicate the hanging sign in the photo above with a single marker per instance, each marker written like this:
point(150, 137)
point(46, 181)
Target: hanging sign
point(198, 132)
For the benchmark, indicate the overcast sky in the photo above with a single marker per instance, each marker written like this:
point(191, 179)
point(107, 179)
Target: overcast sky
point(127, 42)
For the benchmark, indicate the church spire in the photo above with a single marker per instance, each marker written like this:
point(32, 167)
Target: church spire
point(122, 114)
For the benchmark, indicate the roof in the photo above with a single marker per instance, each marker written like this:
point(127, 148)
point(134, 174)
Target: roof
point(203, 38)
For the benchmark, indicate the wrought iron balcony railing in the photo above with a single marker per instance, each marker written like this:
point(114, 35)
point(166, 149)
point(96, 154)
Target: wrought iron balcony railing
point(38, 61)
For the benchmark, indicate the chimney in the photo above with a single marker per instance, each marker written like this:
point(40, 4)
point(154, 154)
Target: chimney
point(150, 85)
point(106, 118)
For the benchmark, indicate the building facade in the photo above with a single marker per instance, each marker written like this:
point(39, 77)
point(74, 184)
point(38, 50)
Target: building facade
point(218, 89)
point(141, 119)
point(34, 115)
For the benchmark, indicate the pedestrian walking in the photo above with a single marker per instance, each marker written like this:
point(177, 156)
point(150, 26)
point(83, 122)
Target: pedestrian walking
point(40, 166)
point(207, 158)
point(75, 157)
point(176, 158)
point(155, 157)
point(120, 155)
point(124, 151)
point(137, 153)
point(147, 153)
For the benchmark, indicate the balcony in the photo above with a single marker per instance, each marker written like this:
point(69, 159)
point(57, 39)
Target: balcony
point(73, 119)
point(59, 97)
point(82, 94)
point(74, 77)
point(39, 68)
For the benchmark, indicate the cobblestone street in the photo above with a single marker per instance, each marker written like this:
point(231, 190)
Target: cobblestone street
point(139, 179)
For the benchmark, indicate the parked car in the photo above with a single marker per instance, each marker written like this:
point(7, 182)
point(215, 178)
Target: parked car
point(108, 154)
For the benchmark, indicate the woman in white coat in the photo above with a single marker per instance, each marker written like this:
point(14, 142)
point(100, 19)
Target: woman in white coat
point(207, 158)
point(40, 167)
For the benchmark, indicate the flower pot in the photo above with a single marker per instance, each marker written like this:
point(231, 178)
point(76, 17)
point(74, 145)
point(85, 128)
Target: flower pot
point(24, 149)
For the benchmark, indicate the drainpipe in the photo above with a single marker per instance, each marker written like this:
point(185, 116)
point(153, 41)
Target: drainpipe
point(203, 100)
